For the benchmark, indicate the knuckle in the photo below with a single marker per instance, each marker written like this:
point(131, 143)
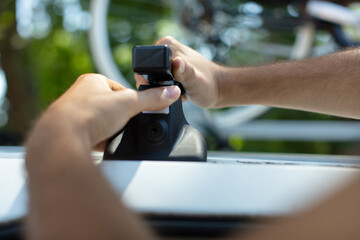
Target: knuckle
point(167, 40)
point(83, 77)
point(152, 98)
point(130, 101)
point(190, 72)
point(90, 76)
point(157, 98)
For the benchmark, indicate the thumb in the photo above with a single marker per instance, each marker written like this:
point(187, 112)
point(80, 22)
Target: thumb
point(157, 98)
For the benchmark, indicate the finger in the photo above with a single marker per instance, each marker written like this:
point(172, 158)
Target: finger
point(102, 83)
point(115, 86)
point(183, 71)
point(158, 98)
point(184, 98)
point(100, 146)
point(167, 40)
point(140, 80)
point(172, 43)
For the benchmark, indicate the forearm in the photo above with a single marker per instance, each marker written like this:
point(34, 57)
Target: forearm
point(328, 84)
point(69, 197)
point(336, 218)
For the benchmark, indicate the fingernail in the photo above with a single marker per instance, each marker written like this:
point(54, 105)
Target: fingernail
point(182, 66)
point(173, 91)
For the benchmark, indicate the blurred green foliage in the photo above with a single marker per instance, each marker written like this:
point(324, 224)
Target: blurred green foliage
point(57, 57)
point(57, 61)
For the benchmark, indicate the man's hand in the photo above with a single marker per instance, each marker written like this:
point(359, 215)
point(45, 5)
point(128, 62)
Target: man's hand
point(327, 84)
point(98, 107)
point(198, 75)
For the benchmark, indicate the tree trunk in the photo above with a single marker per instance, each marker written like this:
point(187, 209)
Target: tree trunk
point(21, 87)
